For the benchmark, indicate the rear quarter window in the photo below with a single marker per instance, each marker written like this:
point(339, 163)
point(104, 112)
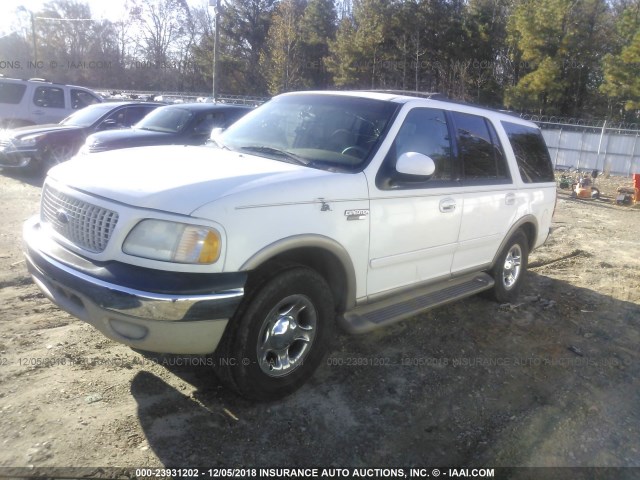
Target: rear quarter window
point(530, 150)
point(11, 93)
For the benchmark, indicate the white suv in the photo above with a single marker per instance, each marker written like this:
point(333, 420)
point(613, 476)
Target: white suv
point(365, 207)
point(36, 101)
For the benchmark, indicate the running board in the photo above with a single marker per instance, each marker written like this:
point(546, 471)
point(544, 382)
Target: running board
point(404, 305)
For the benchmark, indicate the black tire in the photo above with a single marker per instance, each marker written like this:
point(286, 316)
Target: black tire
point(266, 354)
point(510, 268)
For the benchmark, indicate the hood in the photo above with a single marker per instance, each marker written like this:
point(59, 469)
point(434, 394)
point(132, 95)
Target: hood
point(129, 137)
point(176, 179)
point(36, 129)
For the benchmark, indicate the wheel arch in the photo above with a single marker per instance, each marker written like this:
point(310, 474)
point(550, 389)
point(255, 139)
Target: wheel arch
point(529, 225)
point(320, 253)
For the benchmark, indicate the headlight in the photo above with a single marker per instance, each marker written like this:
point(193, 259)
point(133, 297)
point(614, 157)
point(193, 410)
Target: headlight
point(173, 242)
point(28, 141)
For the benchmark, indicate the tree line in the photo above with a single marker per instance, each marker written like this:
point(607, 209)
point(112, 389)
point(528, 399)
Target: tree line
point(578, 58)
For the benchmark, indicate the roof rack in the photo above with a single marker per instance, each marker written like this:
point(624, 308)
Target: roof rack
point(410, 93)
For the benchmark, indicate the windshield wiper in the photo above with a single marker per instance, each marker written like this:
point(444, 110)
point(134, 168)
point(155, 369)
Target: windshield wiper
point(291, 157)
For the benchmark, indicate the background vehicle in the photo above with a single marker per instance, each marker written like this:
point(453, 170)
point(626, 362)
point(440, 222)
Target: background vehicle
point(36, 101)
point(361, 207)
point(42, 146)
point(186, 124)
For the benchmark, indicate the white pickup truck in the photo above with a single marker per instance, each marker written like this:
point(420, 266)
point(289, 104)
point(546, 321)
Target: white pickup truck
point(363, 208)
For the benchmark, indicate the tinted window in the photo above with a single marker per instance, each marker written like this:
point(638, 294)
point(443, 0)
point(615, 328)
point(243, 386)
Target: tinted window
point(81, 99)
point(166, 119)
point(425, 131)
point(49, 97)
point(479, 148)
point(531, 153)
point(87, 116)
point(205, 122)
point(11, 92)
point(135, 114)
point(128, 116)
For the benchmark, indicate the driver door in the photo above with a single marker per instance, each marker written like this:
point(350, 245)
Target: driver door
point(415, 220)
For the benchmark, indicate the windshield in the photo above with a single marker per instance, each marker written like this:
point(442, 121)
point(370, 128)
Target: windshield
point(87, 116)
point(318, 130)
point(166, 119)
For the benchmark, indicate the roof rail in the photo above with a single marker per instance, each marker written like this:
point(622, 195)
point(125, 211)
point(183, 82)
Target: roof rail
point(412, 93)
point(38, 80)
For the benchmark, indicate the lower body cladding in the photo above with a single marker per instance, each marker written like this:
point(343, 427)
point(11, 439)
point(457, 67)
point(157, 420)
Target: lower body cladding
point(188, 320)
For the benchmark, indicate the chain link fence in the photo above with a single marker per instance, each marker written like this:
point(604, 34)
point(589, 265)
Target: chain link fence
point(609, 147)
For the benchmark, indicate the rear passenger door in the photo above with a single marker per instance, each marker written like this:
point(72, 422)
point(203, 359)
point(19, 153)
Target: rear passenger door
point(48, 104)
point(490, 199)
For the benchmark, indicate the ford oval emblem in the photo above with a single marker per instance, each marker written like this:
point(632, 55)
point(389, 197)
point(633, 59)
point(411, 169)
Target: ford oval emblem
point(62, 217)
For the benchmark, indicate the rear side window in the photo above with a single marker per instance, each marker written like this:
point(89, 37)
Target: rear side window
point(531, 153)
point(479, 149)
point(49, 97)
point(11, 93)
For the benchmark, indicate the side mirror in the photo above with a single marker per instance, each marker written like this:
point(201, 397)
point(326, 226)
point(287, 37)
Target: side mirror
point(214, 138)
point(414, 163)
point(215, 133)
point(108, 124)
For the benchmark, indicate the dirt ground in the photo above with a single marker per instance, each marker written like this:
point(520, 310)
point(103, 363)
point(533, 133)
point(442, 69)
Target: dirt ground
point(553, 380)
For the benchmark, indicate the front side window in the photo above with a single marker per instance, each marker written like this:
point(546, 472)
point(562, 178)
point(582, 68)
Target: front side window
point(88, 116)
point(531, 153)
point(320, 131)
point(483, 160)
point(166, 119)
point(425, 131)
point(81, 99)
point(48, 97)
point(11, 93)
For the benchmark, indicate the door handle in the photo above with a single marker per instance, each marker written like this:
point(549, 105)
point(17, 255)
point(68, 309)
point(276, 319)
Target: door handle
point(38, 112)
point(447, 205)
point(510, 199)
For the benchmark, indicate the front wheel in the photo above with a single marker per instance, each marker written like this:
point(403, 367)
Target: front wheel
point(510, 268)
point(279, 337)
point(55, 155)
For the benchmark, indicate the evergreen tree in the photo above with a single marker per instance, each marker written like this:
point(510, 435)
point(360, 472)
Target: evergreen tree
point(282, 61)
point(622, 68)
point(317, 29)
point(562, 43)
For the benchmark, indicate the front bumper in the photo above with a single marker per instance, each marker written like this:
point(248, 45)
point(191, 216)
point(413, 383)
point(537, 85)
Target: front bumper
point(16, 158)
point(190, 320)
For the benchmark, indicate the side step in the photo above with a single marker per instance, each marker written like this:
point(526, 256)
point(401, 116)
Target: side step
point(404, 305)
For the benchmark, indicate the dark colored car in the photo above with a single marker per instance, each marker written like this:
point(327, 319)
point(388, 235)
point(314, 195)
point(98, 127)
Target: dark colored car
point(185, 124)
point(42, 146)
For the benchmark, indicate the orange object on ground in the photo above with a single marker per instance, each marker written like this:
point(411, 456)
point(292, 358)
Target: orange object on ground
point(636, 185)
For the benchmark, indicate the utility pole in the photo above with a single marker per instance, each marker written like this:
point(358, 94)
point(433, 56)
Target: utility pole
point(33, 32)
point(216, 41)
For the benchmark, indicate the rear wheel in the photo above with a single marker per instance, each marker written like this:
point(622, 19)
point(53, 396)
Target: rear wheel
point(279, 337)
point(510, 268)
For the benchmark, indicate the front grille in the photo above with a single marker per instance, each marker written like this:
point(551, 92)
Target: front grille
point(85, 225)
point(5, 143)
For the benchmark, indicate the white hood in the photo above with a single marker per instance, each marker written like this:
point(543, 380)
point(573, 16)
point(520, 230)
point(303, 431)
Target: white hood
point(176, 179)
